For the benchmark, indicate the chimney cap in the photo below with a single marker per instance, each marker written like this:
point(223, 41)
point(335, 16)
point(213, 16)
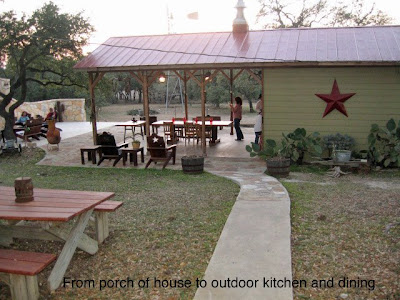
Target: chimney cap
point(240, 23)
point(240, 3)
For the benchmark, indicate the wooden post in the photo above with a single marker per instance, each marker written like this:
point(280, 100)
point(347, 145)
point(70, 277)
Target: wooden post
point(262, 108)
point(145, 84)
point(203, 113)
point(93, 81)
point(186, 96)
point(231, 92)
point(93, 108)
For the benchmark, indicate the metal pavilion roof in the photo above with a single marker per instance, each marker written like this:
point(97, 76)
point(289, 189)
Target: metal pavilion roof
point(290, 47)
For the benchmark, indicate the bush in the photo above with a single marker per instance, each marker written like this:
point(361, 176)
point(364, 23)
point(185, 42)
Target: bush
point(384, 145)
point(293, 145)
point(297, 143)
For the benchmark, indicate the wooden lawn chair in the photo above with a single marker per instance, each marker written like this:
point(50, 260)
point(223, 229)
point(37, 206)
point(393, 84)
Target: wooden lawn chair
point(191, 132)
point(169, 133)
point(109, 149)
point(158, 151)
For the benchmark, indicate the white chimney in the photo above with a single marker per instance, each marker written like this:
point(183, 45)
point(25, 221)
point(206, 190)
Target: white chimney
point(240, 23)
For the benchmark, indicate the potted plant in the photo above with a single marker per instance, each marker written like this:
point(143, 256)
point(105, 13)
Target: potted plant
point(277, 164)
point(135, 144)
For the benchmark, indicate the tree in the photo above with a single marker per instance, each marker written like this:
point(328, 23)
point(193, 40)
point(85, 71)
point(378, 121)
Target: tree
point(287, 14)
point(35, 48)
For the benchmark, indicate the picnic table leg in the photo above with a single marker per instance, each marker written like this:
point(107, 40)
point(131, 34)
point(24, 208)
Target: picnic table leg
point(102, 230)
point(68, 251)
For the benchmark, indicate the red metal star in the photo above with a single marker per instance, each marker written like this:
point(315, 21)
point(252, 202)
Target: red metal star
point(335, 100)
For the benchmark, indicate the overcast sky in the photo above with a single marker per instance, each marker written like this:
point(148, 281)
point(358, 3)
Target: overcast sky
point(134, 17)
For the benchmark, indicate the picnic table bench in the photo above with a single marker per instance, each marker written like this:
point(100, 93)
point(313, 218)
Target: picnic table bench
point(101, 212)
point(19, 270)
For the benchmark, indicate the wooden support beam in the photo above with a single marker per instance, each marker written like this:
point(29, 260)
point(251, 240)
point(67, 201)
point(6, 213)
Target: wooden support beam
point(203, 115)
point(137, 77)
point(231, 79)
point(192, 75)
point(237, 75)
point(254, 76)
point(146, 110)
point(92, 85)
point(185, 79)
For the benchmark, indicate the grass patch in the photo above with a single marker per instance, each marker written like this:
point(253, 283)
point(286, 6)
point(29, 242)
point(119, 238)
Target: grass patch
point(167, 228)
point(338, 230)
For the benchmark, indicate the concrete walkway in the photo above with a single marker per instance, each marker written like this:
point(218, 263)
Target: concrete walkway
point(255, 242)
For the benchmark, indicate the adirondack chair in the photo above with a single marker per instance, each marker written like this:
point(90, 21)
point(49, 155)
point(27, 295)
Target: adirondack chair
point(158, 151)
point(109, 149)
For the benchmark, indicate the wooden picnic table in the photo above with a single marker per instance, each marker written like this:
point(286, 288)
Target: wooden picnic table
point(131, 126)
point(51, 210)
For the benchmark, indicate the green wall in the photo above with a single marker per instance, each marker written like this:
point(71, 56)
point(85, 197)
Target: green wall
point(290, 101)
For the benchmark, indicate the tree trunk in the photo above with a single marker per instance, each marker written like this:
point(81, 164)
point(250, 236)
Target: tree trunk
point(140, 96)
point(9, 124)
point(251, 106)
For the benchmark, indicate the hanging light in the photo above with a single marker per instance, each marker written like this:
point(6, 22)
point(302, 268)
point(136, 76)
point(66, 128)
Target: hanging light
point(161, 78)
point(207, 76)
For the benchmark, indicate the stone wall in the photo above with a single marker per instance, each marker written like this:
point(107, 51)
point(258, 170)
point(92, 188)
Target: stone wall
point(74, 109)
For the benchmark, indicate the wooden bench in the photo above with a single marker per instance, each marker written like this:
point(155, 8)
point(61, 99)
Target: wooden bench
point(101, 218)
point(19, 270)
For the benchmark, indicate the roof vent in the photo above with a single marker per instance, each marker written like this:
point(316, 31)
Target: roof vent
point(240, 23)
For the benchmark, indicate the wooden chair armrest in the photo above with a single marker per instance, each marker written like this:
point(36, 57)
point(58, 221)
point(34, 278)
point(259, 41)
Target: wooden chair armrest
point(171, 147)
point(122, 144)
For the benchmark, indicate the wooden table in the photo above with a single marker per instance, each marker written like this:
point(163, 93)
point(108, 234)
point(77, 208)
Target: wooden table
point(214, 127)
point(51, 210)
point(132, 155)
point(91, 151)
point(131, 126)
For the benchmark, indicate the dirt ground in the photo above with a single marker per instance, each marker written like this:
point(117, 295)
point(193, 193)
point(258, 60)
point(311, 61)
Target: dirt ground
point(346, 228)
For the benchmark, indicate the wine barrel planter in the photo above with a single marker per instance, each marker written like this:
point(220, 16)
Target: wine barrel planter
point(278, 167)
point(341, 155)
point(192, 164)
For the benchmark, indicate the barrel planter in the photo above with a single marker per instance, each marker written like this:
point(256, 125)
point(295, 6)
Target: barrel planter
point(192, 164)
point(278, 166)
point(341, 155)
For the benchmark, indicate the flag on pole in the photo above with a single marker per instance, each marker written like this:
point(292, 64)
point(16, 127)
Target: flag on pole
point(193, 15)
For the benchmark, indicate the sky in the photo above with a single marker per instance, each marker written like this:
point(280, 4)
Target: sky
point(149, 17)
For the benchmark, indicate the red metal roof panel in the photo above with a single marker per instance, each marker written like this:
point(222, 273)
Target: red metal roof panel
point(357, 44)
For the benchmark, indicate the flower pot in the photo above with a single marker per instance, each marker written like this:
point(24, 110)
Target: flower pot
point(192, 164)
point(278, 167)
point(135, 145)
point(341, 156)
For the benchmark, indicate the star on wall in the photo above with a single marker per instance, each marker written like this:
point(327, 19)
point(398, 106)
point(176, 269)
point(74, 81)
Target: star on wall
point(335, 100)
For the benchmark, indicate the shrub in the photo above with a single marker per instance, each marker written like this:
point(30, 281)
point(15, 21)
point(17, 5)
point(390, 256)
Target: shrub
point(293, 145)
point(384, 145)
point(297, 143)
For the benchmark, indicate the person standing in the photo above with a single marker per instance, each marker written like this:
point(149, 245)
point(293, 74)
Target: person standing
point(52, 115)
point(258, 128)
point(237, 116)
point(259, 104)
